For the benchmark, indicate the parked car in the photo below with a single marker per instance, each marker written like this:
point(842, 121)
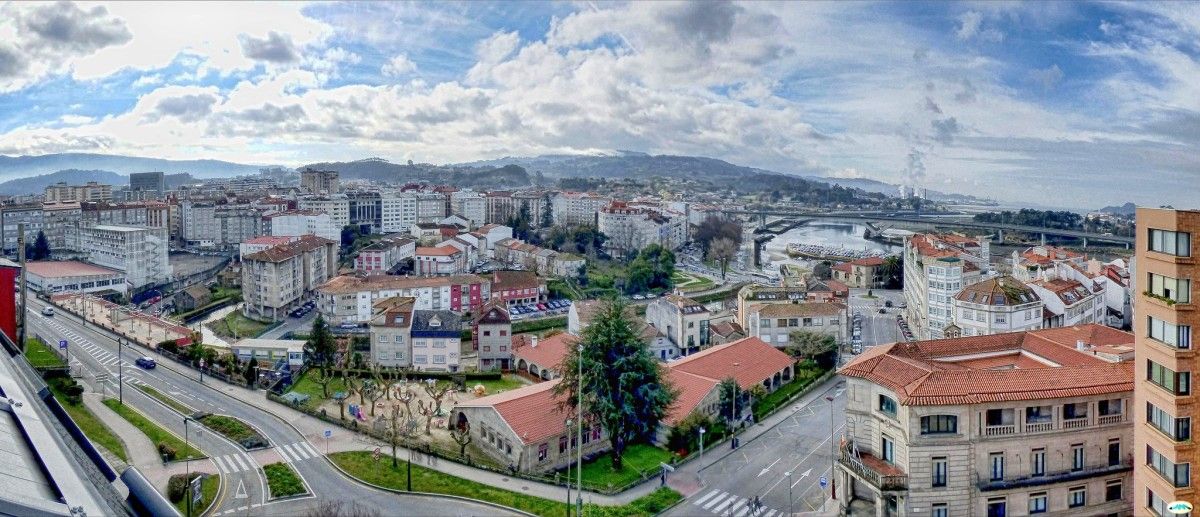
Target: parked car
point(47, 311)
point(638, 297)
point(541, 306)
point(145, 362)
point(348, 325)
point(887, 303)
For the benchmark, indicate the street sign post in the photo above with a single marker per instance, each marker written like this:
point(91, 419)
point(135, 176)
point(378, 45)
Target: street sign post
point(328, 433)
point(824, 482)
point(62, 345)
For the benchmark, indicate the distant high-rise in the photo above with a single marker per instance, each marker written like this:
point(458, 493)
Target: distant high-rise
point(319, 182)
point(151, 184)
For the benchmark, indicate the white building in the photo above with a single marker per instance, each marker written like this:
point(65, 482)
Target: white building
point(391, 332)
point(91, 191)
point(1069, 302)
point(386, 253)
point(349, 299)
point(48, 277)
point(278, 279)
point(258, 244)
point(471, 206)
point(774, 322)
point(577, 208)
point(141, 253)
point(208, 225)
point(338, 208)
point(631, 228)
point(937, 267)
point(432, 207)
point(398, 211)
point(436, 338)
point(302, 222)
point(489, 235)
point(995, 306)
point(269, 351)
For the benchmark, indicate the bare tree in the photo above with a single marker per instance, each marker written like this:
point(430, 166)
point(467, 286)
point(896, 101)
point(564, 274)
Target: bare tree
point(324, 377)
point(437, 391)
point(461, 434)
point(722, 250)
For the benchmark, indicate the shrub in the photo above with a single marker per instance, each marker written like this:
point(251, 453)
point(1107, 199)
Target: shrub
point(177, 486)
point(167, 452)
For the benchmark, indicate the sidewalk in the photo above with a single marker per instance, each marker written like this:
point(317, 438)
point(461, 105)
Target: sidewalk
point(142, 453)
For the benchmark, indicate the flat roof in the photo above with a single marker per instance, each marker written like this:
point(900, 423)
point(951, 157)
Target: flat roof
point(290, 344)
point(115, 228)
point(65, 268)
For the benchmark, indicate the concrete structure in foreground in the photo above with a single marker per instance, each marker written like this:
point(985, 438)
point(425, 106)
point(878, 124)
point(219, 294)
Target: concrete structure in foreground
point(1165, 308)
point(140, 252)
point(50, 277)
point(1009, 424)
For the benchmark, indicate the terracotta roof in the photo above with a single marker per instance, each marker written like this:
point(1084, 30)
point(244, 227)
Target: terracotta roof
point(1004, 290)
point(692, 389)
point(347, 284)
point(868, 261)
point(799, 310)
point(1033, 365)
point(440, 251)
point(64, 268)
point(1070, 292)
point(271, 240)
point(494, 312)
point(304, 244)
point(749, 360)
point(506, 280)
point(726, 328)
point(531, 412)
point(549, 352)
point(844, 267)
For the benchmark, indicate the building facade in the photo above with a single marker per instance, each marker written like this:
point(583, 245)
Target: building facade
point(684, 321)
point(996, 306)
point(319, 182)
point(279, 279)
point(436, 340)
point(774, 323)
point(338, 208)
point(139, 252)
point(391, 332)
point(302, 222)
point(937, 267)
point(385, 254)
point(148, 185)
point(348, 299)
point(91, 191)
point(577, 208)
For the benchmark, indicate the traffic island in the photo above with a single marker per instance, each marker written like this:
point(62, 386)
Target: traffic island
point(181, 491)
point(236, 430)
point(283, 482)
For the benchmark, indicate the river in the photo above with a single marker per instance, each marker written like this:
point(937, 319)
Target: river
point(830, 234)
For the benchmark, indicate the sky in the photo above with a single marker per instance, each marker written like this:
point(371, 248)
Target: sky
point(1060, 104)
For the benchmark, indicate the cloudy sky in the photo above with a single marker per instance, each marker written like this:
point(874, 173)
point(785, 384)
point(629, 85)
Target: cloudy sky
point(1038, 102)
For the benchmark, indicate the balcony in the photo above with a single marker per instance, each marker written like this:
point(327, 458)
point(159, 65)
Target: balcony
point(986, 485)
point(1110, 419)
point(1038, 427)
point(878, 473)
point(999, 430)
point(1075, 423)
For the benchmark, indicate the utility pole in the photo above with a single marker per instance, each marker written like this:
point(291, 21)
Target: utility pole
point(121, 375)
point(579, 465)
point(568, 430)
point(24, 306)
point(832, 453)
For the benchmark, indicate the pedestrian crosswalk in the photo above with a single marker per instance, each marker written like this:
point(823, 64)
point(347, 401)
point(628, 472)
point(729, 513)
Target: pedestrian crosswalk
point(234, 463)
point(719, 502)
point(299, 451)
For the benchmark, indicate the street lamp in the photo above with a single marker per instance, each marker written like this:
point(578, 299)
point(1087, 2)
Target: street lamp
point(187, 469)
point(579, 466)
point(789, 481)
point(567, 427)
point(832, 456)
point(120, 373)
point(701, 443)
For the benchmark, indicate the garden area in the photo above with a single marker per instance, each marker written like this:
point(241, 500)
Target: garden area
point(639, 462)
point(170, 446)
point(40, 355)
point(177, 489)
point(506, 382)
point(68, 393)
point(236, 326)
point(360, 464)
point(806, 373)
point(689, 283)
point(238, 431)
point(282, 481)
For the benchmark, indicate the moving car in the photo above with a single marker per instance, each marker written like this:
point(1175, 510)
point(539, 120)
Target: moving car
point(145, 362)
point(47, 311)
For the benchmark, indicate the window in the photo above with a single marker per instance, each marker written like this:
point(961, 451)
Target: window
point(1073, 411)
point(383, 338)
point(1157, 504)
point(1114, 452)
point(1038, 414)
point(487, 348)
point(939, 471)
point(1179, 474)
point(939, 424)
point(439, 359)
point(1112, 490)
point(1177, 383)
point(1179, 336)
point(562, 444)
point(419, 359)
point(487, 333)
point(997, 508)
point(1177, 290)
point(939, 510)
point(1077, 460)
point(1076, 497)
point(1037, 465)
point(887, 406)
point(996, 459)
point(1037, 502)
point(1171, 243)
point(1179, 429)
point(888, 449)
point(503, 333)
point(543, 451)
point(764, 323)
point(1109, 407)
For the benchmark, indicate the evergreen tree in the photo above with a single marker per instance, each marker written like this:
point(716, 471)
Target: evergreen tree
point(320, 345)
point(547, 212)
point(41, 248)
point(624, 388)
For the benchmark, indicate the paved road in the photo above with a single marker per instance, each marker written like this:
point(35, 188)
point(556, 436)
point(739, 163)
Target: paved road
point(244, 492)
point(799, 444)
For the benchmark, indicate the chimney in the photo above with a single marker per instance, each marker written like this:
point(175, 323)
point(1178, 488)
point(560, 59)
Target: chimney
point(1081, 346)
point(533, 341)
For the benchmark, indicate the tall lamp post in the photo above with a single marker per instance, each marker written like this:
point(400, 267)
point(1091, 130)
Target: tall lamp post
point(567, 427)
point(701, 443)
point(121, 375)
point(789, 481)
point(579, 465)
point(832, 453)
point(187, 469)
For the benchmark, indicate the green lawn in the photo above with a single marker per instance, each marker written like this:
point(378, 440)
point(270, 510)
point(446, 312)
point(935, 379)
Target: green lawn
point(235, 430)
point(91, 426)
point(805, 375)
point(40, 355)
point(360, 465)
point(638, 459)
point(308, 386)
point(283, 481)
point(689, 282)
point(208, 491)
point(235, 325)
point(156, 433)
point(504, 383)
point(165, 399)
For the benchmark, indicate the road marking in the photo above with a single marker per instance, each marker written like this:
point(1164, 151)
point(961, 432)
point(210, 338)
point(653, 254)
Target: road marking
point(769, 514)
point(220, 465)
point(721, 507)
point(715, 501)
point(743, 511)
point(768, 467)
point(706, 497)
point(282, 450)
point(802, 476)
point(241, 464)
point(311, 449)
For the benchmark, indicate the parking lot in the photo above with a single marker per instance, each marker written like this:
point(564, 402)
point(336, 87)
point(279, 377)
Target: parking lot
point(539, 310)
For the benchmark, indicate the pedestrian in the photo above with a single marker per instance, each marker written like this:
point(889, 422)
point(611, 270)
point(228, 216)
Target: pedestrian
point(662, 481)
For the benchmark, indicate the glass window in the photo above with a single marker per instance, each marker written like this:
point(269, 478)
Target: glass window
point(1037, 502)
point(939, 424)
point(1178, 474)
point(1076, 410)
point(1109, 407)
point(1179, 336)
point(888, 449)
point(1179, 429)
point(1076, 497)
point(1113, 490)
point(1171, 243)
point(997, 508)
point(887, 405)
point(1114, 452)
point(1077, 459)
point(1038, 414)
point(940, 467)
point(1038, 463)
point(1177, 383)
point(996, 459)
point(939, 510)
point(1177, 290)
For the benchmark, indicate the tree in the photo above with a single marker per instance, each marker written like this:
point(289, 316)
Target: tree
point(547, 215)
point(653, 268)
point(891, 272)
point(809, 344)
point(461, 434)
point(251, 372)
point(713, 228)
point(320, 345)
point(404, 424)
point(624, 388)
point(722, 250)
point(375, 389)
point(323, 378)
point(41, 247)
point(823, 270)
point(732, 399)
point(437, 391)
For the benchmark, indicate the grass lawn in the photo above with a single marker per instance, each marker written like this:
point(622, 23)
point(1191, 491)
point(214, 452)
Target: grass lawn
point(235, 430)
point(283, 481)
point(689, 282)
point(156, 433)
point(40, 355)
point(91, 426)
point(208, 491)
point(165, 399)
point(360, 465)
point(805, 375)
point(505, 383)
point(236, 325)
point(638, 458)
point(308, 386)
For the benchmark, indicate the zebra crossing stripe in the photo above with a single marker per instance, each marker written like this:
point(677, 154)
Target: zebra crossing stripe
point(241, 462)
point(742, 512)
point(220, 465)
point(737, 505)
point(721, 507)
point(769, 514)
point(308, 446)
point(708, 496)
point(716, 500)
point(283, 452)
point(305, 454)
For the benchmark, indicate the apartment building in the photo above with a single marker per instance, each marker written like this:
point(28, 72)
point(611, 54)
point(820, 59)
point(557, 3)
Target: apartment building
point(488, 236)
point(499, 206)
point(439, 260)
point(995, 306)
point(319, 182)
point(684, 321)
point(863, 273)
point(471, 205)
point(517, 287)
point(349, 298)
point(432, 207)
point(301, 222)
point(337, 206)
point(631, 228)
point(491, 336)
point(91, 191)
point(57, 218)
point(1023, 423)
point(258, 244)
point(775, 322)
point(1028, 264)
point(1167, 272)
point(138, 251)
point(936, 268)
point(757, 294)
point(147, 185)
point(1069, 302)
point(385, 254)
point(436, 340)
point(391, 332)
point(278, 279)
point(11, 219)
point(210, 225)
point(518, 253)
point(538, 202)
point(577, 208)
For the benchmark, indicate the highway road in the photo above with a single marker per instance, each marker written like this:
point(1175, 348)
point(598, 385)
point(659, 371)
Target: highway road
point(244, 489)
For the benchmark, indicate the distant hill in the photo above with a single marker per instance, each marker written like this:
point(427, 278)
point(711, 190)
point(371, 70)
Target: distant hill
point(629, 164)
point(477, 177)
point(26, 166)
point(890, 189)
point(36, 184)
point(1125, 209)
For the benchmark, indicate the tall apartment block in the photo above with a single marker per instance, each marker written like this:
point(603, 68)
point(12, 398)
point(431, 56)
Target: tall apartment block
point(1165, 313)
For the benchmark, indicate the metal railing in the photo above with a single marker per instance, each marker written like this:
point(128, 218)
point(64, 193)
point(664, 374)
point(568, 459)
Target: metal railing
point(879, 480)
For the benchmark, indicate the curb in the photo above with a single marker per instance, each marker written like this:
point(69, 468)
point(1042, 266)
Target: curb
point(425, 494)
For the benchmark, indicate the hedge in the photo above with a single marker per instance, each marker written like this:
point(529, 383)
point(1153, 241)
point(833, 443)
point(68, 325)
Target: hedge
point(541, 324)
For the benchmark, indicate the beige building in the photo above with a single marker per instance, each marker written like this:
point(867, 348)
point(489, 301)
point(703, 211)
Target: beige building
point(1037, 422)
point(1165, 310)
point(276, 280)
point(861, 273)
point(682, 320)
point(491, 336)
point(91, 191)
point(319, 182)
point(391, 332)
point(996, 306)
point(775, 322)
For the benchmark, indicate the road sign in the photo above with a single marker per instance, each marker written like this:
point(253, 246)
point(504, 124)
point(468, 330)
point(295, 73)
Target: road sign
point(62, 344)
point(197, 493)
point(328, 433)
point(824, 482)
point(375, 454)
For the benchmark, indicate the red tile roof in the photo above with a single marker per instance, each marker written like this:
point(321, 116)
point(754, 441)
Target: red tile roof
point(749, 360)
point(549, 352)
point(532, 412)
point(692, 390)
point(347, 284)
point(440, 251)
point(1039, 364)
point(304, 244)
point(868, 261)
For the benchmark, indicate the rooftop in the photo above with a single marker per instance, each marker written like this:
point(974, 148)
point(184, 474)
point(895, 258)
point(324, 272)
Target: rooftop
point(65, 268)
point(304, 244)
point(506, 280)
point(528, 410)
point(546, 352)
point(800, 310)
point(347, 284)
point(1003, 290)
point(749, 360)
point(436, 322)
point(439, 251)
point(1034, 365)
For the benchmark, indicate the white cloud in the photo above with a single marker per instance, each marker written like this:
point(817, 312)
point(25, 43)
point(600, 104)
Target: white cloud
point(398, 66)
point(970, 26)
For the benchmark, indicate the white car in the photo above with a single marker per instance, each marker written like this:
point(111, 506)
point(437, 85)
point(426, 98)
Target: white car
point(47, 311)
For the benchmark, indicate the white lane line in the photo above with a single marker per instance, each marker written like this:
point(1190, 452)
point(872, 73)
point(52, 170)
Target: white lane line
point(708, 496)
point(721, 507)
point(769, 514)
point(220, 465)
point(715, 501)
point(283, 452)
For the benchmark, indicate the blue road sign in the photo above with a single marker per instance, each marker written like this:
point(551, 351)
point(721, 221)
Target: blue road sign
point(824, 482)
point(328, 433)
point(62, 344)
